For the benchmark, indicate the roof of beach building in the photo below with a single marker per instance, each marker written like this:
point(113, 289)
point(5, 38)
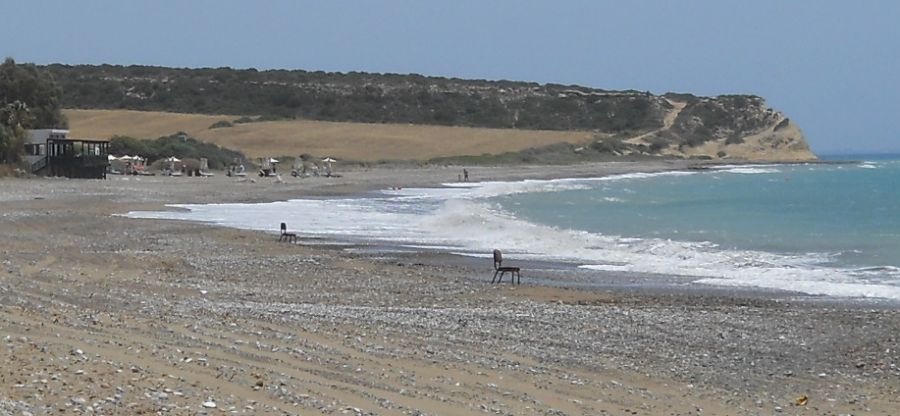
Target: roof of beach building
point(41, 135)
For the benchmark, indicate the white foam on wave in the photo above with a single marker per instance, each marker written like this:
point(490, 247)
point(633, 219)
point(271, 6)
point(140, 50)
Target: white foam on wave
point(751, 171)
point(457, 219)
point(483, 228)
point(759, 165)
point(868, 165)
point(489, 189)
point(813, 287)
point(607, 267)
point(748, 169)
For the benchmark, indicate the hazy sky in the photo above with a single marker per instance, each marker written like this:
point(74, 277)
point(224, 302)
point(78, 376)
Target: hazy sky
point(832, 66)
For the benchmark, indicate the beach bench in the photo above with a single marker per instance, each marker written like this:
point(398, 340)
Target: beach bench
point(500, 270)
point(286, 236)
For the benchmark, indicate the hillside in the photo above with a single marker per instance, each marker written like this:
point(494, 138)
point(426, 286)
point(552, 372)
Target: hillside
point(376, 110)
point(353, 141)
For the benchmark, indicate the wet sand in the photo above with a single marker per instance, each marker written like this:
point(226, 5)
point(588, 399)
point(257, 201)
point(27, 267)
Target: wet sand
point(109, 315)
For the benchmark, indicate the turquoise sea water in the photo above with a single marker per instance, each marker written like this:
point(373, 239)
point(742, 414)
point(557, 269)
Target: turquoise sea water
point(849, 214)
point(820, 229)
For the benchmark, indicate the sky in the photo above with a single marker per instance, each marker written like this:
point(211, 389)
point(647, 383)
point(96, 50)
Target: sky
point(832, 66)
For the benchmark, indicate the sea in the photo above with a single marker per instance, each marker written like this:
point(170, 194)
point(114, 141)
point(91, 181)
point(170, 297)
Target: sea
point(823, 229)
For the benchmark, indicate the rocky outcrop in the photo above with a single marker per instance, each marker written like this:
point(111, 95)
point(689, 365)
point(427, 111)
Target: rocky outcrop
point(725, 127)
point(772, 143)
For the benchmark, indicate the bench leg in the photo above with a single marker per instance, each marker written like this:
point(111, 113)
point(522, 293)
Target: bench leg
point(495, 276)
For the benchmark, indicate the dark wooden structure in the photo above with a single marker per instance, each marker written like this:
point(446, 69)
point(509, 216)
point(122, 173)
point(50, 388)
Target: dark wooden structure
point(87, 159)
point(501, 270)
point(286, 236)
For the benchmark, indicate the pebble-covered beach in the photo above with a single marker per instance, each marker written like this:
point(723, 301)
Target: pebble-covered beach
point(102, 314)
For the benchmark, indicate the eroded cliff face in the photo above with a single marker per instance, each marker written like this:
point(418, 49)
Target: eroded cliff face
point(725, 127)
point(778, 142)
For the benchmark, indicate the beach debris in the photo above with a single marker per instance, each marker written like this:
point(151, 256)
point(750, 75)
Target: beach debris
point(209, 404)
point(801, 401)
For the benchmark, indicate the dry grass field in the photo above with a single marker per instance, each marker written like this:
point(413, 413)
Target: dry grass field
point(351, 141)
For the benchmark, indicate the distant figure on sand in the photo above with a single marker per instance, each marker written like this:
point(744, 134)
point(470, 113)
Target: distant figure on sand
point(465, 175)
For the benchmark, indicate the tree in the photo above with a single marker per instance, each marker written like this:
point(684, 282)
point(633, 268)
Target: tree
point(29, 98)
point(36, 89)
point(7, 140)
point(12, 134)
point(15, 114)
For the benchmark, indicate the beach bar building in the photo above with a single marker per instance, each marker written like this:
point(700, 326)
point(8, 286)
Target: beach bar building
point(50, 152)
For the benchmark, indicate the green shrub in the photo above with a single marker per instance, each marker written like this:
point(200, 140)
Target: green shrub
point(609, 145)
point(179, 145)
point(221, 124)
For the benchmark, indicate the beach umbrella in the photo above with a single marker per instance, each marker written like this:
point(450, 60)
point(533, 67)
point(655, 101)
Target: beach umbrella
point(328, 160)
point(173, 159)
point(273, 160)
point(111, 158)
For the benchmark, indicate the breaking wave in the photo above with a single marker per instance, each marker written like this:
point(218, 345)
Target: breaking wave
point(461, 219)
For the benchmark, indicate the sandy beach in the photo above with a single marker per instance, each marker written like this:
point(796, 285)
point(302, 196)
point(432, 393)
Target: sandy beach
point(102, 314)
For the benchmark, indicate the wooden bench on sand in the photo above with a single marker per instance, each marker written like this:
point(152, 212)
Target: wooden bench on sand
point(286, 236)
point(501, 270)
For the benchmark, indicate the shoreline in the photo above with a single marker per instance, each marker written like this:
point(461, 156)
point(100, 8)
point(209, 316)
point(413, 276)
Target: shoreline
point(128, 316)
point(650, 281)
point(553, 274)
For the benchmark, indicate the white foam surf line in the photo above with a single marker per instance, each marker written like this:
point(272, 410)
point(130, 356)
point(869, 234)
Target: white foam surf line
point(707, 261)
point(489, 189)
point(480, 228)
point(755, 169)
point(393, 216)
point(756, 165)
point(455, 218)
point(750, 171)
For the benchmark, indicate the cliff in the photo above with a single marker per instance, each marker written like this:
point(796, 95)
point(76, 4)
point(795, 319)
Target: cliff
point(733, 126)
point(623, 122)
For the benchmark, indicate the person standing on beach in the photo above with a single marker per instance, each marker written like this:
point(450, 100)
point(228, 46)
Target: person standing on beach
point(465, 175)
